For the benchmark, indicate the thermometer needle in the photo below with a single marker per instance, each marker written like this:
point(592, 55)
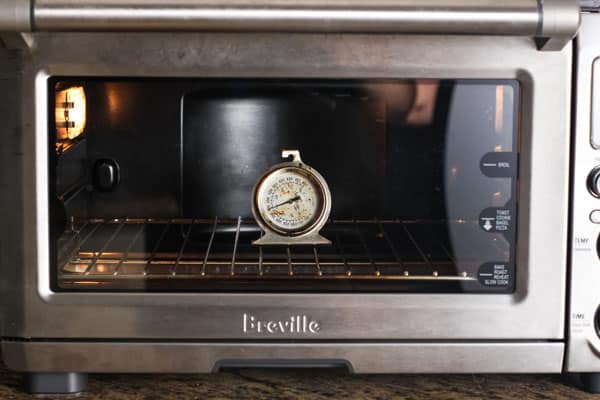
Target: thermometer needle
point(293, 199)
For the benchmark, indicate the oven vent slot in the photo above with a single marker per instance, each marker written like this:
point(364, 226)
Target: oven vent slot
point(223, 365)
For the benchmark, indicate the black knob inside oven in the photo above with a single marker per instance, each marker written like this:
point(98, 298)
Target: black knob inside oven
point(594, 182)
point(106, 175)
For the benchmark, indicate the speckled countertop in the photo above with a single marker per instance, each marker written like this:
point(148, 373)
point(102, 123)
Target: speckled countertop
point(311, 384)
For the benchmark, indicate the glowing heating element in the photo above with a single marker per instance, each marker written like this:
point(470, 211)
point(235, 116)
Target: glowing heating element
point(70, 112)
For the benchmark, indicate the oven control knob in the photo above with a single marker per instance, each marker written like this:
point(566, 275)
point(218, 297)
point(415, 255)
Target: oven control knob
point(594, 182)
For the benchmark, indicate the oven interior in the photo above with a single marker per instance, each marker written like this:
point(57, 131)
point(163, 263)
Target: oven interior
point(150, 183)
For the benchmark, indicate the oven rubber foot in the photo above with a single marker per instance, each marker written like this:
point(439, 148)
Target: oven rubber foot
point(590, 382)
point(55, 383)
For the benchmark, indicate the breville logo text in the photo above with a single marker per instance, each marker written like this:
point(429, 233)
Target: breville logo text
point(294, 324)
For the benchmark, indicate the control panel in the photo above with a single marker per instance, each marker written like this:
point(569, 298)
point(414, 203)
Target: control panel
point(583, 348)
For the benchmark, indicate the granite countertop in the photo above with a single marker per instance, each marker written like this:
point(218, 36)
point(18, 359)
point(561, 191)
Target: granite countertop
point(311, 384)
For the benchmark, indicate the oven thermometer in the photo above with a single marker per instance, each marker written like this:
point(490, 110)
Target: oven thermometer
point(291, 203)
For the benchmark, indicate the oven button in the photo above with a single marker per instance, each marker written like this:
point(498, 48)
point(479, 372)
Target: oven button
point(595, 216)
point(106, 175)
point(593, 182)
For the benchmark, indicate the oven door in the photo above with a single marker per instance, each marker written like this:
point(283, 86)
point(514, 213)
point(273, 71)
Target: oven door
point(503, 290)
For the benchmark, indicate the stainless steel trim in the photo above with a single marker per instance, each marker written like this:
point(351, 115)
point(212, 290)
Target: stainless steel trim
point(11, 180)
point(374, 358)
point(450, 16)
point(15, 16)
point(560, 22)
point(555, 22)
point(583, 350)
point(534, 311)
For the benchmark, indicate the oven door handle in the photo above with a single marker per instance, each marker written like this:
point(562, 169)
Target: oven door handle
point(551, 22)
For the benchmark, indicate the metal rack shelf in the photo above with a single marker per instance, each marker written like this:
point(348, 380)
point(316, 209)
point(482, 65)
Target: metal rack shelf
point(117, 249)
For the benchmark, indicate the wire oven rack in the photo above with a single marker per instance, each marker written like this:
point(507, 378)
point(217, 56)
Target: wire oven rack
point(218, 248)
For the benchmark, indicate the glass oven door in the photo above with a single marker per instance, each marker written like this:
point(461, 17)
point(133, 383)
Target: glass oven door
point(151, 182)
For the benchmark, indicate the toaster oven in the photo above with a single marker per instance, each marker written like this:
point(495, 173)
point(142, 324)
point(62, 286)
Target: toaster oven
point(385, 187)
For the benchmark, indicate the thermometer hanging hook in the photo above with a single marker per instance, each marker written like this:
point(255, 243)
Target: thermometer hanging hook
point(295, 154)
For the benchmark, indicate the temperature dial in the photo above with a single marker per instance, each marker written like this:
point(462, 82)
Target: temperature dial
point(291, 203)
point(593, 182)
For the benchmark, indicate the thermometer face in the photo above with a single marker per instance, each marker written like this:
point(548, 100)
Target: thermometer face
point(290, 200)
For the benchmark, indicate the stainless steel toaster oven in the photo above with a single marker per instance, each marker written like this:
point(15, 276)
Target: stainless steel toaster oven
point(391, 187)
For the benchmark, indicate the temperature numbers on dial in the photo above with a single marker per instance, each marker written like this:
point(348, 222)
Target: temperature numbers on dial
point(289, 201)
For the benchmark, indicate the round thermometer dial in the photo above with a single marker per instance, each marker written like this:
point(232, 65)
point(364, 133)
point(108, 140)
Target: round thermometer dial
point(291, 203)
point(290, 200)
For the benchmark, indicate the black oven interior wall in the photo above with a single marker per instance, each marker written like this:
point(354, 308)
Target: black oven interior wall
point(158, 183)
